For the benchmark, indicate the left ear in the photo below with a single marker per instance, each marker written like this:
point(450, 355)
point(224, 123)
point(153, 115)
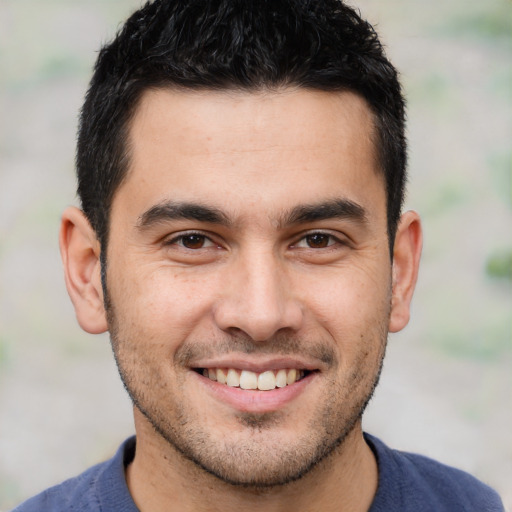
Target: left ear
point(406, 260)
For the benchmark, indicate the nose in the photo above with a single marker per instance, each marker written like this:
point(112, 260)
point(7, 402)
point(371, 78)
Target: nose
point(258, 299)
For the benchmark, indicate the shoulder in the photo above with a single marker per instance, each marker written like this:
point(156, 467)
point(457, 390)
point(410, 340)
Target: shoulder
point(413, 482)
point(76, 494)
point(100, 488)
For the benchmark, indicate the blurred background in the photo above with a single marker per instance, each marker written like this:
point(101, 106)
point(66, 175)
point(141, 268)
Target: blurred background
point(446, 390)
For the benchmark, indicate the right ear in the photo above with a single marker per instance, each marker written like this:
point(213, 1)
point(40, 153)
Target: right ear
point(80, 252)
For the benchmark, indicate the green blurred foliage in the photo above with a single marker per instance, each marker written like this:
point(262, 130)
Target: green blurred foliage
point(485, 20)
point(472, 336)
point(500, 165)
point(499, 265)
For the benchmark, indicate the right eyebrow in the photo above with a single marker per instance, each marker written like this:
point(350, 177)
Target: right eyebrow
point(171, 210)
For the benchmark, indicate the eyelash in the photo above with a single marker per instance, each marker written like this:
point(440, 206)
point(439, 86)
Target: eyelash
point(180, 238)
point(331, 240)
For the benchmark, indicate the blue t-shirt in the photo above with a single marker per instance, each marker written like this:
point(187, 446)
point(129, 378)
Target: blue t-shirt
point(407, 483)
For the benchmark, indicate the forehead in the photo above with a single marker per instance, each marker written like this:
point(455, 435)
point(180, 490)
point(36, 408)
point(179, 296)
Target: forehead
point(273, 147)
point(310, 118)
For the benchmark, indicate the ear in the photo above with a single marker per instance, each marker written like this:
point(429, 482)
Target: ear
point(80, 252)
point(406, 260)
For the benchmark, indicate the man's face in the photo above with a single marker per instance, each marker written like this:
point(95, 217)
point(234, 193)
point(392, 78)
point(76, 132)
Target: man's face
point(249, 242)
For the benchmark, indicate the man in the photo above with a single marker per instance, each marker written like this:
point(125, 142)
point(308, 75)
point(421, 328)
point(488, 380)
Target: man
point(241, 169)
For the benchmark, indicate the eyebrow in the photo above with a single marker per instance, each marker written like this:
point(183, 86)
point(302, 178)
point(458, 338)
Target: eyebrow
point(301, 214)
point(171, 210)
point(334, 209)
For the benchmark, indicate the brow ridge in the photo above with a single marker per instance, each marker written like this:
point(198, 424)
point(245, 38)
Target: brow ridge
point(173, 210)
point(340, 208)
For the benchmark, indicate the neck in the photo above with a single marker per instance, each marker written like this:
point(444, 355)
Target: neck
point(160, 476)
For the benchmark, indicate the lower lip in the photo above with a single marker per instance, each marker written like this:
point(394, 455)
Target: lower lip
point(255, 401)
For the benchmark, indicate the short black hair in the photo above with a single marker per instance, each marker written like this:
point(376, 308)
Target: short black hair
point(234, 44)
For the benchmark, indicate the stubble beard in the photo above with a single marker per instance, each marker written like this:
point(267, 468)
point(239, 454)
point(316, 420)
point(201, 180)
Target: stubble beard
point(262, 461)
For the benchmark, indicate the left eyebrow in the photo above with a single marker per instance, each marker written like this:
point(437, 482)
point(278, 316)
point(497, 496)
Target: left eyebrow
point(343, 209)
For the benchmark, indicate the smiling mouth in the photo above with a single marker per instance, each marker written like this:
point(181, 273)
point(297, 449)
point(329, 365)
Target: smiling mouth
point(245, 379)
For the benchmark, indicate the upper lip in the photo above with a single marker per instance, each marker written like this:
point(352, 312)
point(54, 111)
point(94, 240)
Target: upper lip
point(257, 364)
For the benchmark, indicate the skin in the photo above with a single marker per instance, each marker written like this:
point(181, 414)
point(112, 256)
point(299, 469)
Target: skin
point(250, 233)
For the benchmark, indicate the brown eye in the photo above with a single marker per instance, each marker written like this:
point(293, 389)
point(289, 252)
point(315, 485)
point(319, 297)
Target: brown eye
point(193, 241)
point(318, 240)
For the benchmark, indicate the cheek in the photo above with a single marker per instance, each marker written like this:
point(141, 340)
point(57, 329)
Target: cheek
point(353, 310)
point(355, 297)
point(159, 301)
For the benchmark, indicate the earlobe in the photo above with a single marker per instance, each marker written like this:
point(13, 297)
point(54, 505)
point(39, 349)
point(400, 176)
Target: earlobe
point(406, 260)
point(80, 252)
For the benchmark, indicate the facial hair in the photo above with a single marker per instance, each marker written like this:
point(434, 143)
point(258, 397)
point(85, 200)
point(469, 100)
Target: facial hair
point(257, 459)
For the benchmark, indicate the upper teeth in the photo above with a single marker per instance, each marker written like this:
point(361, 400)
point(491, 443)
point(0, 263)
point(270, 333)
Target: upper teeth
point(246, 379)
